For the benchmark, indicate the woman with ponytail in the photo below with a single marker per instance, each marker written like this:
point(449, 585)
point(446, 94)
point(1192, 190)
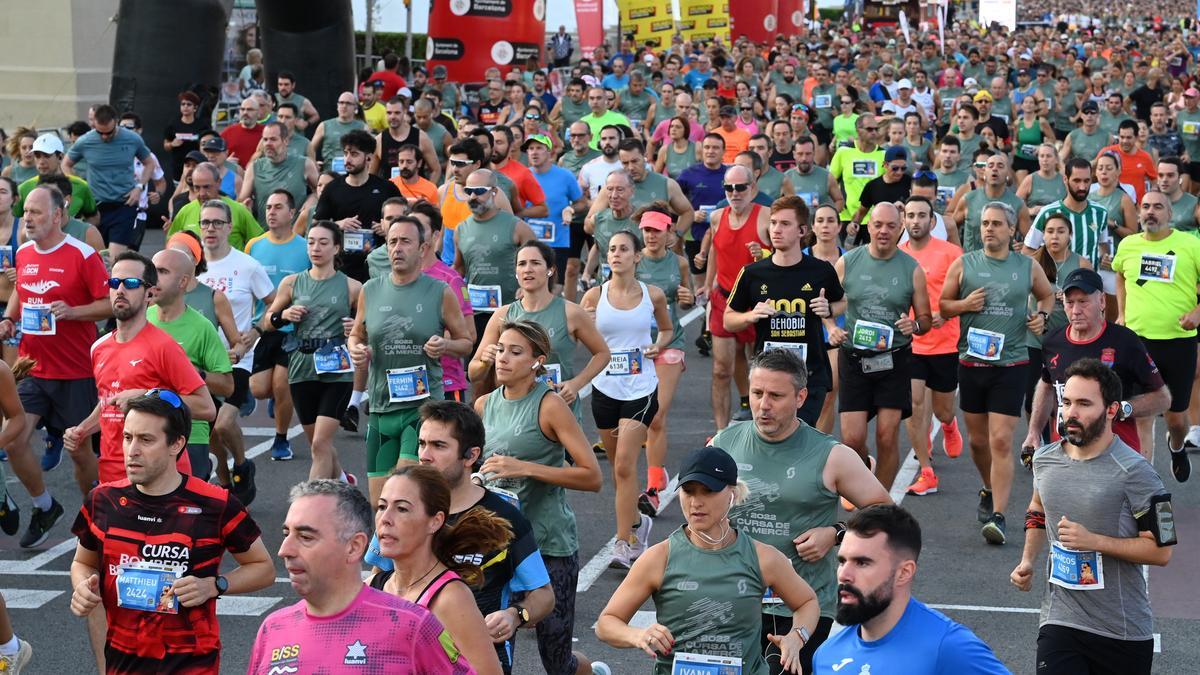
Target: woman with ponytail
point(435, 561)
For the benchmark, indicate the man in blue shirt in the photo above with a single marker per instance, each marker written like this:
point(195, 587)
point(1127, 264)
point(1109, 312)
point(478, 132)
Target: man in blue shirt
point(618, 79)
point(562, 190)
point(887, 630)
point(701, 72)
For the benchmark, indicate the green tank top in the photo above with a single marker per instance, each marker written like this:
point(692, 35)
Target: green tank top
point(827, 103)
point(918, 154)
point(514, 430)
point(661, 114)
point(572, 112)
point(664, 273)
point(771, 183)
point(489, 253)
point(1058, 317)
point(787, 497)
point(573, 162)
point(1028, 139)
point(711, 601)
point(327, 301)
point(1008, 283)
point(1042, 190)
point(200, 299)
point(76, 228)
point(437, 136)
point(269, 176)
point(20, 174)
point(879, 291)
point(652, 188)
point(331, 145)
point(1183, 213)
point(976, 199)
point(1087, 145)
point(399, 320)
point(812, 187)
point(553, 318)
point(1112, 203)
point(606, 225)
point(949, 95)
point(678, 161)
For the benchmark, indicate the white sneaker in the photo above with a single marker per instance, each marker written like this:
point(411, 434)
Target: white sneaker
point(13, 664)
point(1192, 440)
point(622, 555)
point(641, 537)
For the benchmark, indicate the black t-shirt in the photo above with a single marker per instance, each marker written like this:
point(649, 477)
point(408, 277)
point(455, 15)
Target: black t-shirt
point(341, 200)
point(1143, 99)
point(998, 127)
point(879, 191)
point(782, 161)
point(791, 291)
point(190, 134)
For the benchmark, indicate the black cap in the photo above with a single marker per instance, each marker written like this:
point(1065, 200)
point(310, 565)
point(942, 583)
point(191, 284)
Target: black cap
point(1090, 106)
point(728, 111)
point(711, 467)
point(195, 156)
point(214, 143)
point(1085, 280)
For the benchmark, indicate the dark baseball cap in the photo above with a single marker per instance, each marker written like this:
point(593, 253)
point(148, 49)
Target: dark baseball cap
point(728, 111)
point(711, 467)
point(1085, 280)
point(1090, 106)
point(214, 143)
point(195, 156)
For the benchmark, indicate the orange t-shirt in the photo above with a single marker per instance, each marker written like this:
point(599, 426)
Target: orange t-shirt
point(935, 259)
point(735, 141)
point(454, 209)
point(1136, 169)
point(422, 189)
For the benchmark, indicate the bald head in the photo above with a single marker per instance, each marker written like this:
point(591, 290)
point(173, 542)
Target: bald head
point(175, 270)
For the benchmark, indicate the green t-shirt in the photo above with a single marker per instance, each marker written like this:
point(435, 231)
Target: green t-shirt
point(1160, 283)
point(245, 227)
point(597, 123)
point(83, 202)
point(204, 349)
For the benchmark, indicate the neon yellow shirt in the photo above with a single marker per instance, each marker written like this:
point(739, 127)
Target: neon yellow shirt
point(1160, 283)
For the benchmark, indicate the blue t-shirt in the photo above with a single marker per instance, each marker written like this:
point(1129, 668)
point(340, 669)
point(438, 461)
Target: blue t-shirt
point(561, 190)
point(611, 81)
point(279, 260)
point(944, 648)
point(704, 187)
point(110, 163)
point(695, 78)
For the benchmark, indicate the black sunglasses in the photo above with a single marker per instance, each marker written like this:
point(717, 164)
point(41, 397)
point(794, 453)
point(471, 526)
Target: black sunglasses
point(130, 283)
point(737, 187)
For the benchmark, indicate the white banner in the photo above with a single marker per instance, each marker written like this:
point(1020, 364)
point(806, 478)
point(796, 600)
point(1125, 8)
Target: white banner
point(1003, 12)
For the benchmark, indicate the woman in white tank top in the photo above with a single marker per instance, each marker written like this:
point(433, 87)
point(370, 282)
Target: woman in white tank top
point(624, 401)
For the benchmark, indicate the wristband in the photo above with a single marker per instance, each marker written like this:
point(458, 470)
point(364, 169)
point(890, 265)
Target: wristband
point(1035, 520)
point(278, 321)
point(8, 318)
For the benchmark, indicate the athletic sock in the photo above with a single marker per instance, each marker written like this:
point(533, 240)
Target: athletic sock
point(745, 402)
point(356, 398)
point(11, 647)
point(43, 501)
point(281, 438)
point(656, 477)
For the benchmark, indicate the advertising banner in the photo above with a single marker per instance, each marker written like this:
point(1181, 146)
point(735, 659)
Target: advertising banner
point(756, 19)
point(589, 16)
point(502, 33)
point(704, 20)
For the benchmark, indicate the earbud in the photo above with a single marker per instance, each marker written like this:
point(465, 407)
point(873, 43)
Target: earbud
point(549, 274)
point(535, 365)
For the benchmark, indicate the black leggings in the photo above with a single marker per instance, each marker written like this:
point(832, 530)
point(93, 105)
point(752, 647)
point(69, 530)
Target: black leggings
point(554, 632)
point(781, 625)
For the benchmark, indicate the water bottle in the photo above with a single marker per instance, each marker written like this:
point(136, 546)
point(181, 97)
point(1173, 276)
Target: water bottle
point(600, 668)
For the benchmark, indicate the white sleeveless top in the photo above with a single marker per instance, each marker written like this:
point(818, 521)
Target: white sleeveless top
point(630, 374)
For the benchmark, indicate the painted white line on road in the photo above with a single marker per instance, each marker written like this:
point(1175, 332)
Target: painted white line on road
point(245, 605)
point(266, 445)
point(904, 478)
point(24, 598)
point(590, 572)
point(262, 431)
point(39, 560)
point(988, 608)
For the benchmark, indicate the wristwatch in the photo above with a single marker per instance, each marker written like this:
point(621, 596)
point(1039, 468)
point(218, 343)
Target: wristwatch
point(1126, 411)
point(803, 633)
point(839, 532)
point(522, 615)
point(222, 586)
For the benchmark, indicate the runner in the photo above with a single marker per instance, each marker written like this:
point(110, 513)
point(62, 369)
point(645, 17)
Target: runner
point(466, 157)
point(935, 354)
point(797, 517)
point(874, 362)
point(1046, 184)
point(276, 169)
point(857, 164)
point(814, 184)
point(174, 545)
point(969, 209)
point(398, 134)
point(1089, 236)
point(1105, 511)
point(648, 187)
point(707, 561)
point(15, 653)
point(826, 230)
point(562, 192)
point(533, 466)
point(326, 147)
point(1085, 141)
point(989, 289)
point(47, 156)
point(318, 303)
point(617, 215)
point(205, 182)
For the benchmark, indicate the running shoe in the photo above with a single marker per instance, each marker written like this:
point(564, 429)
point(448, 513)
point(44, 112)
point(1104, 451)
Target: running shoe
point(743, 414)
point(641, 536)
point(984, 510)
point(648, 502)
point(704, 344)
point(351, 479)
point(281, 450)
point(622, 555)
point(40, 523)
point(926, 484)
point(247, 409)
point(14, 664)
point(3, 456)
point(598, 450)
point(350, 419)
point(1192, 440)
point(10, 517)
point(993, 530)
point(52, 456)
point(952, 440)
point(243, 482)
point(1181, 465)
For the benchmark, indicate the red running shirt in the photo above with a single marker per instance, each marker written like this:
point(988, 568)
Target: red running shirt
point(729, 246)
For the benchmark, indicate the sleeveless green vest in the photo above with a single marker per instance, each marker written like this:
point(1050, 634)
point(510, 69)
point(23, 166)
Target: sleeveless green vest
point(399, 320)
point(1008, 283)
point(327, 301)
point(664, 273)
point(879, 291)
point(488, 250)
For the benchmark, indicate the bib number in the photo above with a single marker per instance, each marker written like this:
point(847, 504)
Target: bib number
point(798, 348)
point(354, 241)
point(1028, 150)
point(1155, 267)
point(864, 168)
point(338, 165)
point(484, 298)
point(809, 198)
point(333, 360)
point(1191, 128)
point(872, 336)
point(146, 587)
point(823, 101)
point(703, 664)
point(769, 597)
point(6, 257)
point(544, 230)
point(625, 363)
point(553, 376)
point(38, 320)
point(1076, 570)
point(984, 344)
point(407, 384)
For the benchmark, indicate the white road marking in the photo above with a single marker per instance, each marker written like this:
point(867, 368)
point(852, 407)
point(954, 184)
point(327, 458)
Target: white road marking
point(38, 561)
point(987, 608)
point(263, 431)
point(259, 449)
point(24, 598)
point(245, 605)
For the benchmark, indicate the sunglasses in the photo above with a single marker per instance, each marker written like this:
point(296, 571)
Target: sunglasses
point(476, 191)
point(532, 116)
point(898, 167)
point(130, 283)
point(847, 102)
point(736, 187)
point(166, 395)
point(925, 173)
point(980, 165)
point(460, 163)
point(871, 129)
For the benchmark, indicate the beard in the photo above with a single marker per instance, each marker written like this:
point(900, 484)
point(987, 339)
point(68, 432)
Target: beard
point(608, 151)
point(126, 313)
point(1079, 196)
point(1087, 433)
point(497, 158)
point(407, 174)
point(479, 207)
point(868, 606)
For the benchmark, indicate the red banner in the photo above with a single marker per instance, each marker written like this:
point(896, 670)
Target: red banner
point(792, 17)
point(756, 19)
point(589, 17)
point(470, 36)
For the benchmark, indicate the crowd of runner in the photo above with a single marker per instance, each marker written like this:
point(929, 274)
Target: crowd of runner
point(1003, 226)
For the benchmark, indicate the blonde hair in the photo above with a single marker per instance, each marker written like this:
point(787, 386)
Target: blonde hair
point(13, 145)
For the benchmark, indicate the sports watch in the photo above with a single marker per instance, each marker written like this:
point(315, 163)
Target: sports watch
point(222, 586)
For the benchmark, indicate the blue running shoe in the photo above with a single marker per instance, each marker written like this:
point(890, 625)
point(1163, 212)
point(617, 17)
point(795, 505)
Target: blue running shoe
point(52, 457)
point(248, 407)
point(3, 456)
point(281, 451)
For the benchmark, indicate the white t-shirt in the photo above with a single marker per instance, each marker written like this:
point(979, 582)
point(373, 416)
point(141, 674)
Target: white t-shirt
point(593, 174)
point(243, 280)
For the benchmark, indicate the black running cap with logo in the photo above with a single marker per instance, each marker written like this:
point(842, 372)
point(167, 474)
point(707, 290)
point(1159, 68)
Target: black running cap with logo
point(1084, 279)
point(711, 467)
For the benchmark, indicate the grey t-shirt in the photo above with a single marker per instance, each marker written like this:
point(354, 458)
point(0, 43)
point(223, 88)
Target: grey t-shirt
point(1104, 494)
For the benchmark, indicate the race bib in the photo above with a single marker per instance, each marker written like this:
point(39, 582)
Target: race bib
point(338, 165)
point(1002, 117)
point(38, 320)
point(1076, 570)
point(625, 363)
point(872, 336)
point(769, 597)
point(823, 101)
point(1156, 267)
point(798, 348)
point(809, 198)
point(707, 210)
point(484, 298)
point(1028, 150)
point(407, 384)
point(944, 195)
point(984, 344)
point(395, 172)
point(864, 168)
point(6, 257)
point(553, 376)
point(947, 104)
point(334, 360)
point(703, 664)
point(146, 587)
point(1191, 128)
point(354, 240)
point(605, 271)
point(542, 229)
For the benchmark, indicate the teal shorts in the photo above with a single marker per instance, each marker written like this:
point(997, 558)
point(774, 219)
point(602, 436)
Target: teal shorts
point(391, 437)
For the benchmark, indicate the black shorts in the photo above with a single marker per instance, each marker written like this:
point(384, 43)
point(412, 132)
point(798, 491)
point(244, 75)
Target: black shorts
point(608, 412)
point(823, 135)
point(868, 392)
point(1070, 651)
point(118, 223)
point(1193, 169)
point(939, 372)
point(690, 249)
point(810, 412)
point(1176, 361)
point(561, 256)
point(269, 353)
point(241, 388)
point(992, 389)
point(61, 404)
point(313, 399)
point(579, 238)
point(1022, 164)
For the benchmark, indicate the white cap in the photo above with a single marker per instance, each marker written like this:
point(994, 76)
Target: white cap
point(904, 84)
point(48, 144)
point(405, 92)
point(970, 82)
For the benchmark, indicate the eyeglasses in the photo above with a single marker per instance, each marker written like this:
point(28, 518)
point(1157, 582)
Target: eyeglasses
point(897, 167)
point(460, 163)
point(166, 395)
point(212, 224)
point(130, 283)
point(1091, 112)
point(580, 135)
point(736, 187)
point(980, 165)
point(130, 127)
point(476, 191)
point(747, 109)
point(106, 134)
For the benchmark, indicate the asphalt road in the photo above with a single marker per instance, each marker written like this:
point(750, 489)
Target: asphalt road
point(958, 573)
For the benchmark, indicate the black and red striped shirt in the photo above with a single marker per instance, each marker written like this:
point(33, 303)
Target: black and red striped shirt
point(191, 527)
